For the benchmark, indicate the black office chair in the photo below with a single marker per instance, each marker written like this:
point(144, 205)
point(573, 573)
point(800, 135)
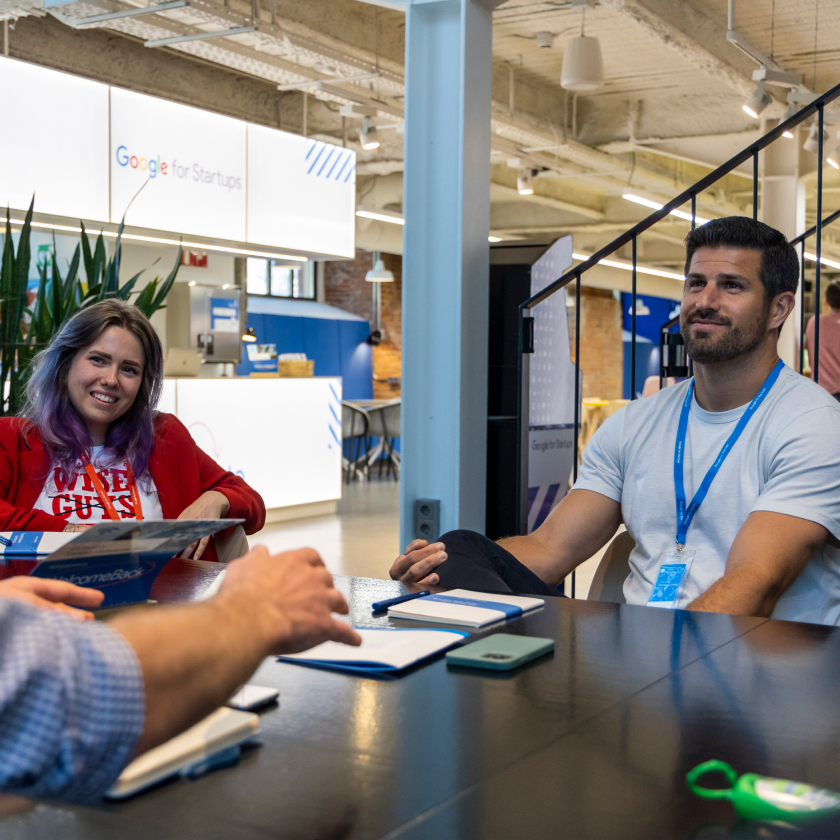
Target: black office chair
point(608, 583)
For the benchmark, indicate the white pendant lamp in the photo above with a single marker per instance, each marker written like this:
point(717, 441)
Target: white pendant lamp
point(583, 67)
point(379, 274)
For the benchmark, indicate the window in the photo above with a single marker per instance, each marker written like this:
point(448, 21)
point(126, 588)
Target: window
point(277, 278)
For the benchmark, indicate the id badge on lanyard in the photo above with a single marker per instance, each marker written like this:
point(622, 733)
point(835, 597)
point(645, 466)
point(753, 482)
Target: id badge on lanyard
point(675, 566)
point(672, 580)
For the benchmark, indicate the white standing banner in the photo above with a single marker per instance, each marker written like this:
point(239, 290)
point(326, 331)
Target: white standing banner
point(189, 163)
point(54, 142)
point(300, 190)
point(551, 433)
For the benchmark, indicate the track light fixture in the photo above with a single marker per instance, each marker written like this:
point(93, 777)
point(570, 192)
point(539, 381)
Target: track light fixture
point(524, 182)
point(812, 144)
point(790, 111)
point(368, 136)
point(545, 40)
point(756, 104)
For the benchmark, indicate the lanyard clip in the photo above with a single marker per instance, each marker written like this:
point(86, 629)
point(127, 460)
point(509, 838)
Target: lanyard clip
point(680, 547)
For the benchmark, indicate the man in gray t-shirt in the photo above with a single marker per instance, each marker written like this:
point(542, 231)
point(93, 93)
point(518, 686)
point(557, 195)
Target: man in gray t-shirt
point(764, 538)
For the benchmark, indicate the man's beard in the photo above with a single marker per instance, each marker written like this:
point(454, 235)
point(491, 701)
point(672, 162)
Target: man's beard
point(735, 341)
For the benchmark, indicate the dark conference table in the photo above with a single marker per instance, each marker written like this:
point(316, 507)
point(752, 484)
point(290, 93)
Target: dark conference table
point(593, 741)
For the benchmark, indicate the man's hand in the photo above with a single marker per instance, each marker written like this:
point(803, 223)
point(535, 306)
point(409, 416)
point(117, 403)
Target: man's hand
point(293, 596)
point(766, 557)
point(419, 559)
point(52, 595)
point(194, 656)
point(209, 505)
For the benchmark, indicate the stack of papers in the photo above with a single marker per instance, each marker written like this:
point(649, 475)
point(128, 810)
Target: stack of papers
point(382, 652)
point(460, 606)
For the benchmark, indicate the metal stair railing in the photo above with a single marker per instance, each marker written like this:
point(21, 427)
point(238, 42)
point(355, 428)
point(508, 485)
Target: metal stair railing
point(526, 321)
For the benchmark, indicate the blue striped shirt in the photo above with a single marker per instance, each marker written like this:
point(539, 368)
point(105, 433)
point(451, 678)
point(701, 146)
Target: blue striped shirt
point(72, 704)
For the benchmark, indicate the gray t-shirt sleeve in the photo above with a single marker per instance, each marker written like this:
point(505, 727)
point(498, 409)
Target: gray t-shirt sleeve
point(602, 470)
point(804, 475)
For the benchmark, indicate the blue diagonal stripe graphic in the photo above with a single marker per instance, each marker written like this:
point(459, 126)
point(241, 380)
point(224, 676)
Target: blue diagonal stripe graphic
point(335, 163)
point(314, 162)
point(346, 161)
point(546, 505)
point(326, 161)
point(332, 411)
point(332, 430)
point(309, 151)
point(349, 174)
point(334, 393)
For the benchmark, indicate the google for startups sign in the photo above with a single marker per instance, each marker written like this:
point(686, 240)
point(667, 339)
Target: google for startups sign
point(193, 164)
point(200, 173)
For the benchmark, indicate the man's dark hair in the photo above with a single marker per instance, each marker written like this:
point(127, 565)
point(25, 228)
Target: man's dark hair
point(832, 294)
point(779, 264)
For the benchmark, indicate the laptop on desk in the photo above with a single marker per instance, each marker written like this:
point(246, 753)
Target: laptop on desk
point(182, 361)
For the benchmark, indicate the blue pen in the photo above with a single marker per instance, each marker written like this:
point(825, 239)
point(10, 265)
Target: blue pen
point(378, 606)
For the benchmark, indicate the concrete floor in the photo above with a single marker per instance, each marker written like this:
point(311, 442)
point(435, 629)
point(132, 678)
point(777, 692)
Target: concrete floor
point(362, 538)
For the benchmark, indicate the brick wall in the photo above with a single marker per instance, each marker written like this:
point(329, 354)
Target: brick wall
point(345, 287)
point(601, 348)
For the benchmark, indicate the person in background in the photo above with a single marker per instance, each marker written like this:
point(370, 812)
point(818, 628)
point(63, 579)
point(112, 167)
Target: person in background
point(80, 699)
point(828, 373)
point(91, 447)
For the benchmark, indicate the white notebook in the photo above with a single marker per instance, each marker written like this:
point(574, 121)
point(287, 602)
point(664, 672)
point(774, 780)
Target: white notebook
point(383, 651)
point(219, 730)
point(462, 607)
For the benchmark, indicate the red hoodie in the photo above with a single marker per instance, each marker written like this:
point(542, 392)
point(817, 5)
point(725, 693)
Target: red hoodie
point(181, 472)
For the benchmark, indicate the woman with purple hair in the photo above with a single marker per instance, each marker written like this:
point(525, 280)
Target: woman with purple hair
point(90, 446)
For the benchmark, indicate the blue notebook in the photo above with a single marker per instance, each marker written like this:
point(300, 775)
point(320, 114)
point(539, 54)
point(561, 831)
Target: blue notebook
point(384, 652)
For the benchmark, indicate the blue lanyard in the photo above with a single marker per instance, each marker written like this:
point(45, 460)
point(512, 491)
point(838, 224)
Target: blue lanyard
point(685, 515)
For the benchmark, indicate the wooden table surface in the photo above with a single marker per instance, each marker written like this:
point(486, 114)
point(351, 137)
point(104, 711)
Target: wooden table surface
point(593, 742)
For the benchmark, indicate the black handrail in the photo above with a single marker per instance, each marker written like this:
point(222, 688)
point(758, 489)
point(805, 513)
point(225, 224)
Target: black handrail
point(688, 195)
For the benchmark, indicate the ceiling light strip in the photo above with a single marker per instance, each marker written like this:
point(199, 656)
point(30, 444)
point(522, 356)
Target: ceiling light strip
point(245, 252)
point(823, 260)
point(381, 217)
point(646, 202)
point(641, 269)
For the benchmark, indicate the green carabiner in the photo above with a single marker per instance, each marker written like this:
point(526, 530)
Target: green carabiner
point(764, 798)
point(715, 765)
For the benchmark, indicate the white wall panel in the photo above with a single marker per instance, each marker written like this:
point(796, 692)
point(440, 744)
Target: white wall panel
point(54, 142)
point(301, 193)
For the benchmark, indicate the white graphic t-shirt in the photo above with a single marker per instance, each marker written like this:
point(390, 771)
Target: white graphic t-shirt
point(77, 500)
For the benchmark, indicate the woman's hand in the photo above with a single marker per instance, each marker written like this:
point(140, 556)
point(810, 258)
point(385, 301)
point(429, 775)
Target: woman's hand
point(209, 505)
point(76, 527)
point(52, 595)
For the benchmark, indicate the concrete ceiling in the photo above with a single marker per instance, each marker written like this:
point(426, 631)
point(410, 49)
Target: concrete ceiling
point(669, 111)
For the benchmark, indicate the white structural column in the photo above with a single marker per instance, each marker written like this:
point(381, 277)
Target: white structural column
point(783, 207)
point(445, 260)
